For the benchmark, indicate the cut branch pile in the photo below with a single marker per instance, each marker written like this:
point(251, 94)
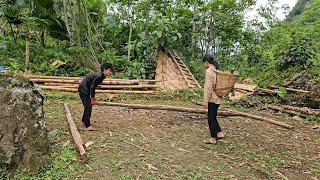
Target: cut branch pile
point(110, 86)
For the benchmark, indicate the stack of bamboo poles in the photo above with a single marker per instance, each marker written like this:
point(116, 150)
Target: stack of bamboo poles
point(111, 86)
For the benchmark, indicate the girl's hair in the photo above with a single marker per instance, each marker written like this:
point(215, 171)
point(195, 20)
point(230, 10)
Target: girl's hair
point(210, 59)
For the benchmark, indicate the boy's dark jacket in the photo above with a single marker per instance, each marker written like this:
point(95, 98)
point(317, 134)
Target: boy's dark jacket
point(90, 82)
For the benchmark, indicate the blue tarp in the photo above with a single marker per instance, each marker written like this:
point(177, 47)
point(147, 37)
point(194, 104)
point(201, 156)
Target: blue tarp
point(2, 68)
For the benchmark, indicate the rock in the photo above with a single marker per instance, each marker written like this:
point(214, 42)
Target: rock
point(297, 118)
point(53, 133)
point(24, 141)
point(316, 127)
point(66, 143)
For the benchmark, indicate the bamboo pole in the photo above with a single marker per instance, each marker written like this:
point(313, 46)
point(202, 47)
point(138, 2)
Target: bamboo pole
point(97, 91)
point(142, 86)
point(76, 135)
point(77, 81)
point(80, 78)
point(199, 111)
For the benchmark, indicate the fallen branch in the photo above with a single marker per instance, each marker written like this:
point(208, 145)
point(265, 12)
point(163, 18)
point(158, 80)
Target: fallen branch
point(222, 112)
point(314, 112)
point(262, 90)
point(174, 172)
point(292, 89)
point(136, 146)
point(281, 109)
point(76, 135)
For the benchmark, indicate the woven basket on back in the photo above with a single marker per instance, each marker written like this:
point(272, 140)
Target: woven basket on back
point(224, 83)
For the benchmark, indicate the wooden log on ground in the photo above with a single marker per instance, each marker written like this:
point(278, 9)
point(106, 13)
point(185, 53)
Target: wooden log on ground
point(222, 112)
point(309, 111)
point(281, 109)
point(97, 91)
point(76, 135)
point(168, 108)
point(292, 89)
point(269, 120)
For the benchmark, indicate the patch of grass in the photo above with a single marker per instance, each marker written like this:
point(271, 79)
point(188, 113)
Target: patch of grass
point(316, 168)
point(196, 175)
point(311, 118)
point(116, 166)
point(270, 164)
point(64, 165)
point(126, 177)
point(54, 95)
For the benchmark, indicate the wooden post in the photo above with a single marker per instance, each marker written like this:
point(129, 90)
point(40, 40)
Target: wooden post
point(76, 135)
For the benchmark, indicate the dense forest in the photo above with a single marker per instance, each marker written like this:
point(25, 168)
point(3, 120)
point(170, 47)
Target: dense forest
point(39, 36)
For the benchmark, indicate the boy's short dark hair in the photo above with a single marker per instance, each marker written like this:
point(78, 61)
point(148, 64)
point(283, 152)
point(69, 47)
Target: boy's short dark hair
point(210, 59)
point(106, 66)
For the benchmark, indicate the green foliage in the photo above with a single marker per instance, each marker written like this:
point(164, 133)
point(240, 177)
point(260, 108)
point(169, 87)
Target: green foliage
point(311, 118)
point(286, 48)
point(282, 92)
point(137, 70)
point(299, 54)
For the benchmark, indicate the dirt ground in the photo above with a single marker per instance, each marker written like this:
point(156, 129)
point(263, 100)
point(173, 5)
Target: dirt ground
point(141, 144)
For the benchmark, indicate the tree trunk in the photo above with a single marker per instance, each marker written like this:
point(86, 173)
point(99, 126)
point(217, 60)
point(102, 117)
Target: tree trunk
point(42, 38)
point(130, 34)
point(13, 33)
point(129, 42)
point(83, 7)
point(66, 20)
point(193, 30)
point(27, 54)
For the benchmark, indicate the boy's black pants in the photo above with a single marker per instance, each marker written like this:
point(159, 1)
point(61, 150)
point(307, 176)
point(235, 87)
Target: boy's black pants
point(214, 126)
point(86, 101)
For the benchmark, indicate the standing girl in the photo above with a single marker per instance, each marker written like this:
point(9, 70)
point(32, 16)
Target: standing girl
point(211, 100)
